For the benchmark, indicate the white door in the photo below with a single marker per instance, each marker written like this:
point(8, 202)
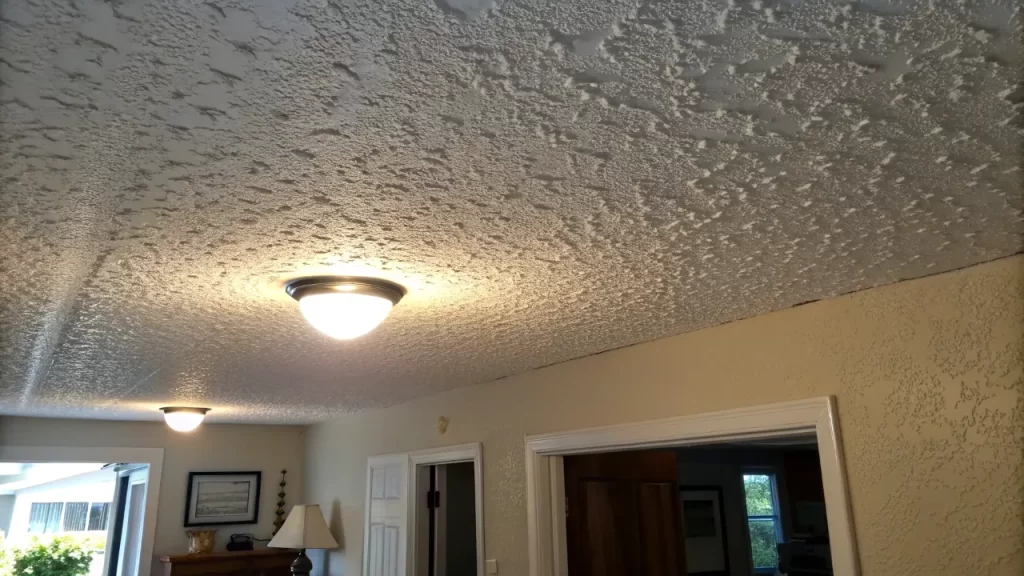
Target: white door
point(131, 532)
point(384, 548)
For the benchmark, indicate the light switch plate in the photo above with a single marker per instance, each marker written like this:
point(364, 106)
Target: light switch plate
point(492, 566)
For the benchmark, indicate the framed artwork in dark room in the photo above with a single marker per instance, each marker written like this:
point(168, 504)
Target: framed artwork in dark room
point(704, 530)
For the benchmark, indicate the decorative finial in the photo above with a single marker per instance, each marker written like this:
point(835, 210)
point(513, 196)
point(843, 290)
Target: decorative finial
point(279, 521)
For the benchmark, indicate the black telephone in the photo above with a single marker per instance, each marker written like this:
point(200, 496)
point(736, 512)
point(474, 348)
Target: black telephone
point(240, 542)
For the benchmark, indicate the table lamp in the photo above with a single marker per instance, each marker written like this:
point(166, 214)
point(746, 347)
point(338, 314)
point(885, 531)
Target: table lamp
point(304, 528)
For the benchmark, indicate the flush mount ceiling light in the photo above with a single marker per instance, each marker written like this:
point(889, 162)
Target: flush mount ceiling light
point(345, 307)
point(184, 419)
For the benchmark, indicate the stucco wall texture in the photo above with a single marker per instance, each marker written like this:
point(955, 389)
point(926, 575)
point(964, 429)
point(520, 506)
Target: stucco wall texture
point(928, 375)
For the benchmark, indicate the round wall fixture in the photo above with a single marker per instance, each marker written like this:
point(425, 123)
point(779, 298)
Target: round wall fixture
point(345, 307)
point(182, 418)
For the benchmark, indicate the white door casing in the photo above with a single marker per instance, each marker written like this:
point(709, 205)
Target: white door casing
point(449, 455)
point(129, 558)
point(389, 545)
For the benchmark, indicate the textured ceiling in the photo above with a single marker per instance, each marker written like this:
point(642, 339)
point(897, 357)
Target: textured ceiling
point(548, 179)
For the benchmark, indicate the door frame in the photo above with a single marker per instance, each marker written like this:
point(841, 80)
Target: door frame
point(447, 455)
point(154, 457)
point(545, 481)
point(135, 478)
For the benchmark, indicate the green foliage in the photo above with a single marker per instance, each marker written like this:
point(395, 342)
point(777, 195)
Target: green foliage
point(758, 488)
point(58, 556)
point(93, 541)
point(763, 544)
point(4, 556)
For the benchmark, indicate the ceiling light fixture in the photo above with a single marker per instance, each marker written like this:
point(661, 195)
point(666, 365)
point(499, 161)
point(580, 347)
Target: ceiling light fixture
point(184, 419)
point(345, 307)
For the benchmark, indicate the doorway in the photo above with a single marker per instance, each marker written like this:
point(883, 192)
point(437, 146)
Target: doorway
point(99, 502)
point(92, 510)
point(447, 514)
point(546, 457)
point(446, 524)
point(124, 541)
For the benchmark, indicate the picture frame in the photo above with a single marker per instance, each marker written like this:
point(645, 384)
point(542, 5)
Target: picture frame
point(703, 513)
point(221, 498)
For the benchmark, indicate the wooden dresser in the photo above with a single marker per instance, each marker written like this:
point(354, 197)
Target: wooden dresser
point(263, 562)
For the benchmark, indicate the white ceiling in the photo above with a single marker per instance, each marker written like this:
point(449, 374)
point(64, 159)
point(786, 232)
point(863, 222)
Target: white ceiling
point(548, 179)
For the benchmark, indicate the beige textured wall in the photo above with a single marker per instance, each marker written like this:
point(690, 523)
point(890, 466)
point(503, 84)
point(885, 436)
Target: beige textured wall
point(210, 447)
point(928, 376)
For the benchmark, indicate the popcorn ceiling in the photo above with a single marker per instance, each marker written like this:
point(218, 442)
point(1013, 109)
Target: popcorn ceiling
point(548, 179)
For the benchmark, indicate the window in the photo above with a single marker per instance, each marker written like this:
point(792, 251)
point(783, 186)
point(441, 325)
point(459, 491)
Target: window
point(762, 520)
point(75, 516)
point(44, 517)
point(56, 517)
point(98, 513)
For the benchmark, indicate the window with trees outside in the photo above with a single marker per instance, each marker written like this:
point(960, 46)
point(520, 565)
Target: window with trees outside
point(763, 520)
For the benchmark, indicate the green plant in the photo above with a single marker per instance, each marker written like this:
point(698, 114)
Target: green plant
point(4, 557)
point(763, 546)
point(92, 541)
point(60, 556)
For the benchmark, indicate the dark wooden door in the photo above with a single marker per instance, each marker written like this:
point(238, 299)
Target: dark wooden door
point(623, 516)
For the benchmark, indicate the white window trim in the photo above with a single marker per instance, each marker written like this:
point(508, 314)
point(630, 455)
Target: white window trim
point(153, 457)
point(818, 416)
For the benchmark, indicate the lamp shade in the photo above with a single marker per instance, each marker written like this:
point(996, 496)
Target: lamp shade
point(304, 528)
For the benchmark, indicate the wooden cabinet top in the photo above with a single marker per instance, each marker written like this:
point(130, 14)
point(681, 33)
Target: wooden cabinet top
point(223, 556)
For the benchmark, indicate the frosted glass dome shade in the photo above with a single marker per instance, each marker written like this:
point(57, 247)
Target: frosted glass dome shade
point(342, 308)
point(182, 419)
point(345, 316)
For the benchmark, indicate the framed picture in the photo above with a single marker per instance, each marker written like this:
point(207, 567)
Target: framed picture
point(222, 498)
point(704, 530)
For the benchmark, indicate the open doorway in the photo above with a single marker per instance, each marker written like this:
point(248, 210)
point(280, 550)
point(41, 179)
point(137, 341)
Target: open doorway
point(447, 520)
point(657, 531)
point(732, 509)
point(87, 513)
point(129, 477)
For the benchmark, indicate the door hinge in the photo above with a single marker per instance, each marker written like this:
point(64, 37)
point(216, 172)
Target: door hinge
point(433, 499)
